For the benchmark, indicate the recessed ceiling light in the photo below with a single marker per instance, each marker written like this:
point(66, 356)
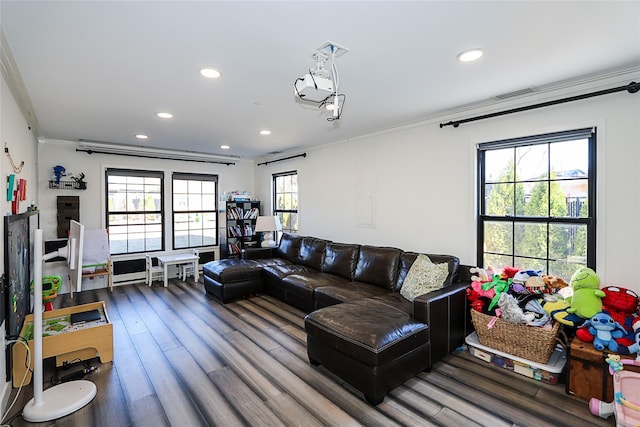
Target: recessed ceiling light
point(210, 73)
point(265, 132)
point(142, 136)
point(225, 147)
point(165, 115)
point(470, 55)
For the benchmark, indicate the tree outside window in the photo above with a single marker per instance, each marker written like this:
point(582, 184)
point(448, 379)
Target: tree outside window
point(534, 211)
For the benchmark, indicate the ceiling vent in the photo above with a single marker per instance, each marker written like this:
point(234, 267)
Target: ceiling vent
point(516, 93)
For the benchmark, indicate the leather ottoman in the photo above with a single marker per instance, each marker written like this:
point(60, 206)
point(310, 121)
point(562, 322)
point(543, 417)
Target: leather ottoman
point(235, 278)
point(369, 344)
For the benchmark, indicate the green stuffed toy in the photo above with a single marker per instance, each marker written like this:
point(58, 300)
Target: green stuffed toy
point(586, 300)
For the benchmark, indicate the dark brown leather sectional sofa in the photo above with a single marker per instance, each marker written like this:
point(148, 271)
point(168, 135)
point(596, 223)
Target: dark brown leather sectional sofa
point(358, 326)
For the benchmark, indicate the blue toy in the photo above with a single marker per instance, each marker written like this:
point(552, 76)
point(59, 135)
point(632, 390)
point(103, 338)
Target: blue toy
point(58, 171)
point(605, 331)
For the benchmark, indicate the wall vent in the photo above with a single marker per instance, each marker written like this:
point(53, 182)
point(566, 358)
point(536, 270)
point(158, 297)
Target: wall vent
point(516, 93)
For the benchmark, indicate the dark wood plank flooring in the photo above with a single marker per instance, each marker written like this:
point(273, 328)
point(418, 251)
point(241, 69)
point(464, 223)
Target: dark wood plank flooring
point(183, 359)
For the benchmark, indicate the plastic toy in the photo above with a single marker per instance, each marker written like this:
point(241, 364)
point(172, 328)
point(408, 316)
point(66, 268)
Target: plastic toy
point(626, 391)
point(50, 288)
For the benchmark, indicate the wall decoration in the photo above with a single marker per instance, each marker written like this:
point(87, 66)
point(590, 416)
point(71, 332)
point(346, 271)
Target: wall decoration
point(16, 169)
point(10, 180)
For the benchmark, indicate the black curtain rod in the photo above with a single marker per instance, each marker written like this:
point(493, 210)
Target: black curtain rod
point(285, 158)
point(149, 156)
point(632, 87)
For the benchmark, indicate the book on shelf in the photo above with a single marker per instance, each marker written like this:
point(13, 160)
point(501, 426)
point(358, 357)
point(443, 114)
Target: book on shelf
point(252, 213)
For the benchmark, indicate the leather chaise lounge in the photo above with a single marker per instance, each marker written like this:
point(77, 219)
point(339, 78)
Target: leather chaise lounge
point(358, 324)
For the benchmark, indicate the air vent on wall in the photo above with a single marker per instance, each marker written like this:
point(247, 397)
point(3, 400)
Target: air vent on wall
point(516, 93)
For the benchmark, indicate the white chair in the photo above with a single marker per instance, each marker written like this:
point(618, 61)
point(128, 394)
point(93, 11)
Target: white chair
point(187, 269)
point(153, 272)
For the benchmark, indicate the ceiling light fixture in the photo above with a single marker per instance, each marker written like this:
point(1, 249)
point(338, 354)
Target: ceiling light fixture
point(164, 115)
point(210, 73)
point(142, 136)
point(265, 132)
point(321, 85)
point(470, 55)
point(225, 147)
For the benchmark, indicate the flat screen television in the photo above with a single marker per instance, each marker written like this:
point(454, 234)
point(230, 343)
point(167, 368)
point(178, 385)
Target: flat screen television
point(18, 264)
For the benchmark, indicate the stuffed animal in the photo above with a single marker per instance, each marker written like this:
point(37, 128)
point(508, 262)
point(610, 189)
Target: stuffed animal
point(499, 286)
point(557, 309)
point(508, 272)
point(511, 311)
point(635, 348)
point(621, 304)
point(554, 283)
point(480, 274)
point(605, 331)
point(520, 279)
point(586, 300)
point(614, 362)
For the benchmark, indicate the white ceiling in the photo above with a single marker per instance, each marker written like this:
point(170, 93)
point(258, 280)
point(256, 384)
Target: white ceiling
point(100, 70)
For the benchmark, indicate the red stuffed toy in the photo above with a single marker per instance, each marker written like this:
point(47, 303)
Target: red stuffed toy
point(621, 304)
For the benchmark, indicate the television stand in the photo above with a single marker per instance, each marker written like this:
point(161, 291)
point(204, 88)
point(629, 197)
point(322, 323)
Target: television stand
point(64, 341)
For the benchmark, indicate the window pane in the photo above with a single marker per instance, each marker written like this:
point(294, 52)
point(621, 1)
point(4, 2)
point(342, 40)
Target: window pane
point(195, 202)
point(530, 240)
point(195, 209)
point(498, 237)
point(180, 202)
point(570, 158)
point(532, 162)
point(498, 165)
point(497, 261)
point(499, 199)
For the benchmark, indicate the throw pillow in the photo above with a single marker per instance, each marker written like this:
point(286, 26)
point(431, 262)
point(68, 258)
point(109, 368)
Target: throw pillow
point(423, 277)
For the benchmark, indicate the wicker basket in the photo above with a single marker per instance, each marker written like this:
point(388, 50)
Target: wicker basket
point(528, 342)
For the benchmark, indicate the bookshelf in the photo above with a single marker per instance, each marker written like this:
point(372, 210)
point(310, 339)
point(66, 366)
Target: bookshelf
point(241, 223)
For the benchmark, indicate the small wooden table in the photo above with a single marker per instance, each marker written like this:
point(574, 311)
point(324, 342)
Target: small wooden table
point(175, 259)
point(65, 341)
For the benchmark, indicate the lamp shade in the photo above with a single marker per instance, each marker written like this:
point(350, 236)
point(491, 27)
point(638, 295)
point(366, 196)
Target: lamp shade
point(268, 223)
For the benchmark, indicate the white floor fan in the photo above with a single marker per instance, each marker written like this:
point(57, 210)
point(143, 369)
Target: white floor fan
point(65, 398)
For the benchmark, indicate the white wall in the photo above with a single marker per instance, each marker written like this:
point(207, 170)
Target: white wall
point(418, 182)
point(15, 132)
point(92, 200)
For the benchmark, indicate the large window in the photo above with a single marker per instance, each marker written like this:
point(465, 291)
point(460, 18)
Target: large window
point(285, 197)
point(194, 210)
point(537, 202)
point(134, 211)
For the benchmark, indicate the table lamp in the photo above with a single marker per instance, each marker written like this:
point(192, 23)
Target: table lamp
point(268, 224)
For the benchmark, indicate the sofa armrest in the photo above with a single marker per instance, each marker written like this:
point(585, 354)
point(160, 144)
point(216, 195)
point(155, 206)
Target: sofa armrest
point(446, 311)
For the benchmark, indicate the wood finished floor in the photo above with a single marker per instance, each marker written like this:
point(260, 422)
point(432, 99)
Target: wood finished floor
point(183, 359)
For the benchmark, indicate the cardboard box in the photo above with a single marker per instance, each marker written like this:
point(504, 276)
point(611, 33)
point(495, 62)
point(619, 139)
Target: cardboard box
point(548, 373)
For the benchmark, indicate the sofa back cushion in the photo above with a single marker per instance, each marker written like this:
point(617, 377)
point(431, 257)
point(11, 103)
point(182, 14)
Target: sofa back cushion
point(378, 266)
point(312, 252)
point(340, 259)
point(407, 259)
point(289, 247)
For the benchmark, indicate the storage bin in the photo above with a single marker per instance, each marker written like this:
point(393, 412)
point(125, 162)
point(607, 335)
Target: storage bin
point(549, 373)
